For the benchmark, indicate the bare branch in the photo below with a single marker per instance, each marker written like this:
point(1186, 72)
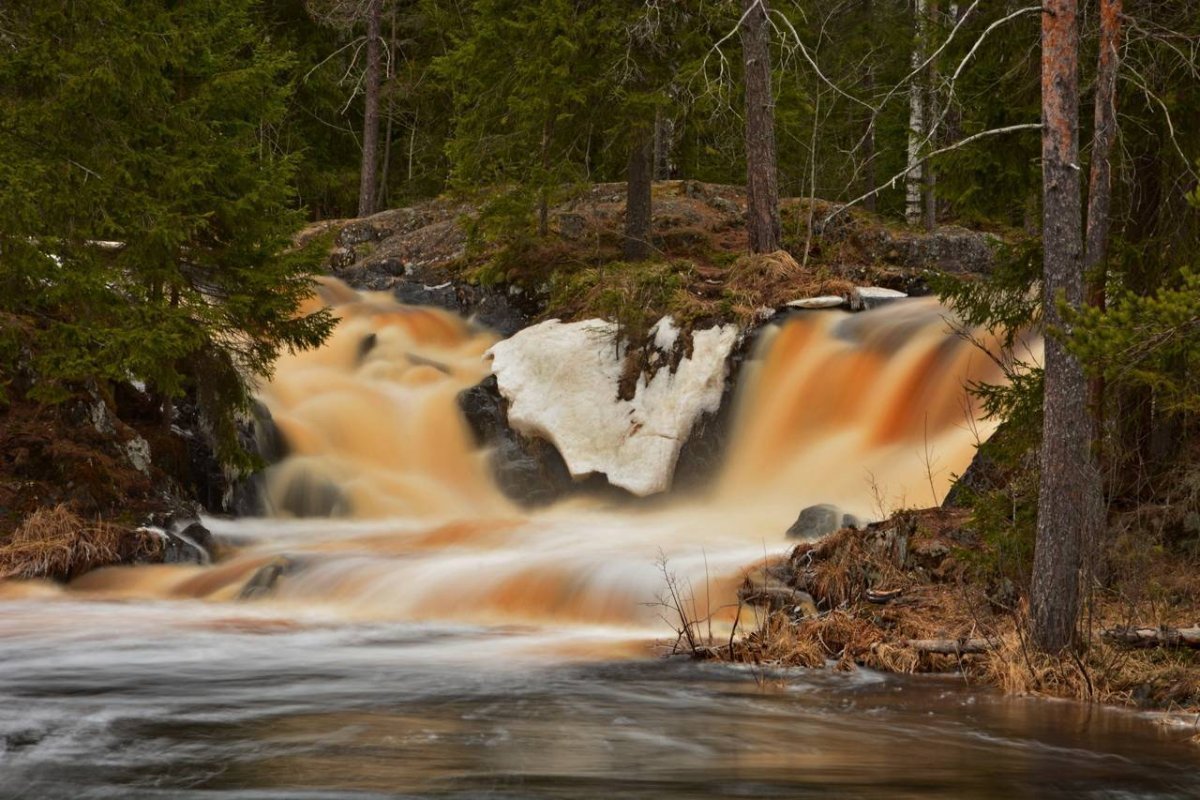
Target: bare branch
point(890, 182)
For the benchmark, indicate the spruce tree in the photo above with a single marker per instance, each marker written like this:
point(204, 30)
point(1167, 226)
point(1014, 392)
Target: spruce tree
point(144, 202)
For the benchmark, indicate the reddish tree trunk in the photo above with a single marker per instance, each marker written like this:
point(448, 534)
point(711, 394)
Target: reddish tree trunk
point(762, 182)
point(1068, 499)
point(371, 81)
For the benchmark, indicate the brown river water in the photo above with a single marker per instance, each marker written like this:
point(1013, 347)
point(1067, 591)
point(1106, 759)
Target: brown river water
point(436, 640)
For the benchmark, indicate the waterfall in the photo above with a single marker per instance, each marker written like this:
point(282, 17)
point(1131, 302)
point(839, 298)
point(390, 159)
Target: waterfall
point(867, 411)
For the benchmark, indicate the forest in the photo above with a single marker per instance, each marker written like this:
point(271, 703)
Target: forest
point(178, 178)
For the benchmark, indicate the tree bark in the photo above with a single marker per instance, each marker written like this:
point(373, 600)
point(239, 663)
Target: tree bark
point(914, 182)
point(931, 108)
point(1068, 499)
point(381, 195)
point(637, 193)
point(1100, 180)
point(371, 82)
point(664, 139)
point(869, 133)
point(762, 181)
point(544, 189)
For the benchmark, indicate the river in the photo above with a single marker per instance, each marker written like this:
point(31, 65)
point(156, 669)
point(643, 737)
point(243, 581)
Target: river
point(424, 636)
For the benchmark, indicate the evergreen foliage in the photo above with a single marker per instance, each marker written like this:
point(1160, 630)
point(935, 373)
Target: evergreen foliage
point(145, 202)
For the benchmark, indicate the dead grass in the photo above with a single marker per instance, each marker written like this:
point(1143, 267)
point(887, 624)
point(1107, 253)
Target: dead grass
point(881, 594)
point(57, 543)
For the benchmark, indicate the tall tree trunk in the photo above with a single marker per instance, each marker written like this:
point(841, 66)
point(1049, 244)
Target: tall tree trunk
point(762, 181)
point(869, 133)
point(914, 182)
point(371, 81)
point(637, 193)
point(544, 189)
point(664, 138)
point(381, 196)
point(931, 108)
point(1068, 499)
point(1100, 181)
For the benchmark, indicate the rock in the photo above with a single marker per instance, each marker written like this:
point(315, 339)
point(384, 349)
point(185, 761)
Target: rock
point(816, 521)
point(309, 495)
point(947, 249)
point(267, 577)
point(868, 297)
point(529, 471)
point(187, 543)
point(980, 476)
point(356, 233)
point(101, 417)
point(851, 521)
point(703, 454)
point(824, 301)
point(572, 225)
point(724, 205)
point(561, 382)
point(137, 452)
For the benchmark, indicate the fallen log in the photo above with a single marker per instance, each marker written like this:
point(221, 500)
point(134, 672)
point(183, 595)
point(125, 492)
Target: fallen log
point(778, 597)
point(1152, 637)
point(952, 647)
point(882, 596)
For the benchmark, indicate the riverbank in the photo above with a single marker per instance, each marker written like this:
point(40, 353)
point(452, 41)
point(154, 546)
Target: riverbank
point(922, 592)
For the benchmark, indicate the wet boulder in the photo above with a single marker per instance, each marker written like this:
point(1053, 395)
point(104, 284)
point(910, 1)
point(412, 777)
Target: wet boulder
point(821, 520)
point(529, 471)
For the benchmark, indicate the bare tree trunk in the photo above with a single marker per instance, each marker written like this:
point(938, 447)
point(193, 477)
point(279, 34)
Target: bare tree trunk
point(412, 149)
point(664, 138)
point(1100, 181)
point(762, 181)
point(1068, 499)
point(637, 199)
point(931, 100)
point(869, 135)
point(381, 196)
point(544, 189)
point(869, 148)
point(914, 182)
point(367, 178)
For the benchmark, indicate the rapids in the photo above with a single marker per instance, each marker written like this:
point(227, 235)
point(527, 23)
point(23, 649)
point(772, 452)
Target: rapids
point(397, 627)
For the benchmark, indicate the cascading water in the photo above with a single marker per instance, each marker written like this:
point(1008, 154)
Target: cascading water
point(858, 410)
point(867, 411)
point(429, 638)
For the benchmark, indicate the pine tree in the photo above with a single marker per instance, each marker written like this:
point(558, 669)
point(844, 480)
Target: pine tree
point(1068, 498)
point(144, 202)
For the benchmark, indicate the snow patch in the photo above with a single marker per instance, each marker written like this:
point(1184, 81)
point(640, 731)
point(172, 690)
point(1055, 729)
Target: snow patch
point(866, 297)
point(824, 301)
point(561, 384)
point(665, 333)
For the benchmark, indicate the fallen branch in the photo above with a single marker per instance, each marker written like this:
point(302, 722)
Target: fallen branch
point(953, 647)
point(881, 596)
point(1152, 637)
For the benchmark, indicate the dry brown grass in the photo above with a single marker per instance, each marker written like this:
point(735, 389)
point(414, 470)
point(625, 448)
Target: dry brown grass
point(778, 641)
point(772, 279)
point(57, 543)
point(928, 595)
